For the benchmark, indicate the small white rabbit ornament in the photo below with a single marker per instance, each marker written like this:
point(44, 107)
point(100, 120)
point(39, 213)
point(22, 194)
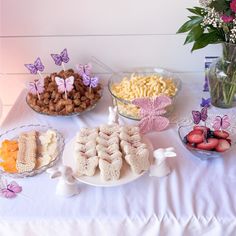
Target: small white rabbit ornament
point(160, 167)
point(67, 185)
point(113, 116)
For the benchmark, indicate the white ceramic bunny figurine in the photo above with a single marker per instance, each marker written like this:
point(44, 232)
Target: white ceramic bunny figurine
point(160, 167)
point(113, 116)
point(67, 184)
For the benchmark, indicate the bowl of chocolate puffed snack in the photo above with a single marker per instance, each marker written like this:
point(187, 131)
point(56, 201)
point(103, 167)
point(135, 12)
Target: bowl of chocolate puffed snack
point(56, 100)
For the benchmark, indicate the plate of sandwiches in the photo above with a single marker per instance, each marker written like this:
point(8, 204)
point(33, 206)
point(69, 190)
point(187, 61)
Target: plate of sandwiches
point(29, 150)
point(108, 155)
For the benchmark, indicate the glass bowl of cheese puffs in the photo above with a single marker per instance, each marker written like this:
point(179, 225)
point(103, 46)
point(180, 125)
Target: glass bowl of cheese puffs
point(143, 82)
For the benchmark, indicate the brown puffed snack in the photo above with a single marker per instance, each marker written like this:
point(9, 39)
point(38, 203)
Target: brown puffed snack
point(52, 102)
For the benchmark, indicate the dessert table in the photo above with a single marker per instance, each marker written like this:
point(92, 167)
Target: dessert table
point(198, 198)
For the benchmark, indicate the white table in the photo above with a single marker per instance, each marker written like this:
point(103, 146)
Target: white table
point(198, 198)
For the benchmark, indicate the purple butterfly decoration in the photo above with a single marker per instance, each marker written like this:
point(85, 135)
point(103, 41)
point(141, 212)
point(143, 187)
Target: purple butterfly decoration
point(84, 70)
point(90, 81)
point(36, 67)
point(9, 190)
point(206, 102)
point(60, 58)
point(151, 113)
point(199, 115)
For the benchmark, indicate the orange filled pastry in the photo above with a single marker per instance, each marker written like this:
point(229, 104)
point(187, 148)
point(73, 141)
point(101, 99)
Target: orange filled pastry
point(8, 155)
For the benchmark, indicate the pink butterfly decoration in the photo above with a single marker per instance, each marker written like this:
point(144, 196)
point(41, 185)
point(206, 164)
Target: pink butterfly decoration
point(9, 190)
point(36, 87)
point(84, 69)
point(65, 85)
point(221, 122)
point(151, 113)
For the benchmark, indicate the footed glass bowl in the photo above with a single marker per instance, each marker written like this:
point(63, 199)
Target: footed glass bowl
point(125, 106)
point(14, 134)
point(186, 125)
point(71, 114)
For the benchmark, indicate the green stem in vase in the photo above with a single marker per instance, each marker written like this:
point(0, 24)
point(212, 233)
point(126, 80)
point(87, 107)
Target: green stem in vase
point(232, 88)
point(224, 93)
point(223, 78)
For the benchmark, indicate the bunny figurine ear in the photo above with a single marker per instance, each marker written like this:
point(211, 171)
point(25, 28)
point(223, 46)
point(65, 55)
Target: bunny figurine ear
point(171, 154)
point(170, 149)
point(54, 172)
point(55, 175)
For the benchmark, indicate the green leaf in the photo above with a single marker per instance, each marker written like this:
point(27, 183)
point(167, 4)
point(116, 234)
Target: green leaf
point(187, 26)
point(197, 10)
point(193, 17)
point(219, 5)
point(228, 12)
point(206, 39)
point(194, 34)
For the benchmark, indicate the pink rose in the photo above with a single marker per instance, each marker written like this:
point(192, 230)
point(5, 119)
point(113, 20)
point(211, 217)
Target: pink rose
point(233, 6)
point(227, 19)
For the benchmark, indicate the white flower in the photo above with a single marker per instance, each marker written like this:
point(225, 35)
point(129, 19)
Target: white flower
point(205, 3)
point(212, 18)
point(232, 35)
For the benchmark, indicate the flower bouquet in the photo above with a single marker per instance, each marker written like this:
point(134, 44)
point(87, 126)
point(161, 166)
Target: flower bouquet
point(215, 22)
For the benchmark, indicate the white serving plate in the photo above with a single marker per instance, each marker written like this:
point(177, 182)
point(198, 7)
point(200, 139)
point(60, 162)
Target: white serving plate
point(126, 176)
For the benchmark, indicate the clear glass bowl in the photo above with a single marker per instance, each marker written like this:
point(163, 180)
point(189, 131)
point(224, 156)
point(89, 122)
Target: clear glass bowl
point(125, 107)
point(186, 125)
point(13, 135)
point(0, 108)
point(91, 107)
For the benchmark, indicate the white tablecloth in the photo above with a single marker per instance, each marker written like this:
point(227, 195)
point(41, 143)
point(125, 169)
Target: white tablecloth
point(198, 198)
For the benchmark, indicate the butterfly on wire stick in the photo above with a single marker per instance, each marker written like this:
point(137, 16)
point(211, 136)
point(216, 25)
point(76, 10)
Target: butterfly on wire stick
point(61, 58)
point(36, 87)
point(84, 70)
point(199, 116)
point(221, 122)
point(36, 68)
point(65, 85)
point(92, 82)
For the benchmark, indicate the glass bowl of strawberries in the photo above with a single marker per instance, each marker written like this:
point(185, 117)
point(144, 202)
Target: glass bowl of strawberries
point(209, 140)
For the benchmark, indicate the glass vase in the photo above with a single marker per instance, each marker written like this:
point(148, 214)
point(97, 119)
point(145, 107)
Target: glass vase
point(222, 78)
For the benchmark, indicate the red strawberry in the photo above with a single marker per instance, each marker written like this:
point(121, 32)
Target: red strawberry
point(221, 134)
point(195, 136)
point(222, 146)
point(201, 127)
point(209, 145)
point(229, 140)
point(198, 131)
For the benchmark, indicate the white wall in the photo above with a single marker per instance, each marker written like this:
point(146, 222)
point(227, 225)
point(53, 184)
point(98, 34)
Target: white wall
point(121, 33)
